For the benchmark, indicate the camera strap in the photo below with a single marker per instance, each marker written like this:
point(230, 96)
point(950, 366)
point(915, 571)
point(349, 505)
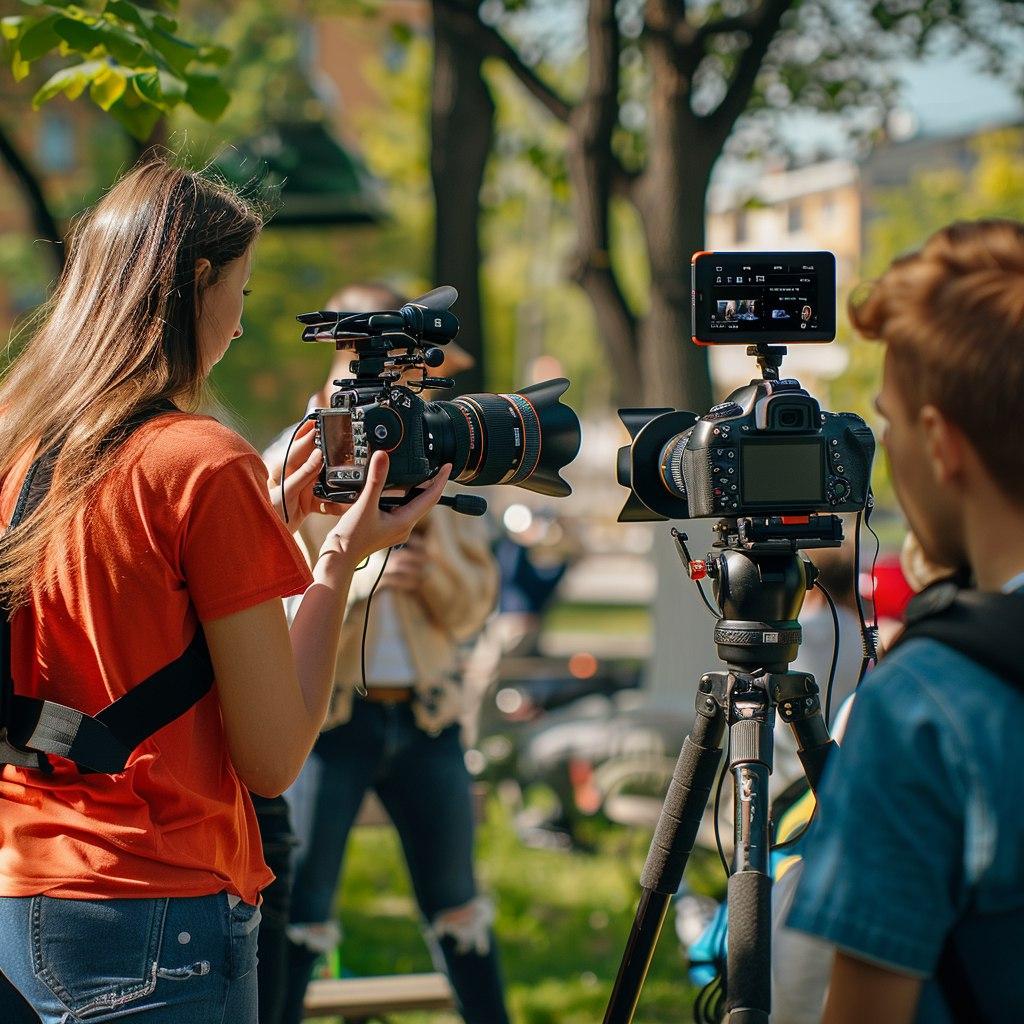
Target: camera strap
point(987, 628)
point(32, 728)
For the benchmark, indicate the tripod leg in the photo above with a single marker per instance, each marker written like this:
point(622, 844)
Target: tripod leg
point(673, 840)
point(799, 704)
point(748, 988)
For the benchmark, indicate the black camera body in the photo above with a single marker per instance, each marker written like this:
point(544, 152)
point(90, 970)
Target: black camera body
point(523, 438)
point(768, 450)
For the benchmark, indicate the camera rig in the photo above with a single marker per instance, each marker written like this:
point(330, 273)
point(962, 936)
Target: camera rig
point(523, 438)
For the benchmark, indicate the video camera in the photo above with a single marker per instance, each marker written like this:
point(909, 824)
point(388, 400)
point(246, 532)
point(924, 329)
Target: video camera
point(524, 438)
point(768, 452)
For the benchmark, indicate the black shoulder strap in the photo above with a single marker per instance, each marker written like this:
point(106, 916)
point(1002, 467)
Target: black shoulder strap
point(31, 728)
point(988, 628)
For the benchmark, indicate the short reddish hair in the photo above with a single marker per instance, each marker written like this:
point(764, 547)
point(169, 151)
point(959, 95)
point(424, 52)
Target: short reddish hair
point(952, 314)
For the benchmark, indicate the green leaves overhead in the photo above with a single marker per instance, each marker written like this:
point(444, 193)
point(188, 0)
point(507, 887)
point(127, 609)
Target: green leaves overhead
point(127, 56)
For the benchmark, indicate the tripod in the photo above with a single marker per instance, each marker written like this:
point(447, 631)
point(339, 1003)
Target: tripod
point(759, 583)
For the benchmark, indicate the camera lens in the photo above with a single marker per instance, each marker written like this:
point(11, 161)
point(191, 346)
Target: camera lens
point(524, 438)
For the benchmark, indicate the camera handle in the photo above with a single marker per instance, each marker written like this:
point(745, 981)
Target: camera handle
point(465, 504)
point(759, 595)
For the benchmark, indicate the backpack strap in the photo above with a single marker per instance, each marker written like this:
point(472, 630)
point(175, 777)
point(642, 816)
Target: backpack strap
point(988, 628)
point(31, 727)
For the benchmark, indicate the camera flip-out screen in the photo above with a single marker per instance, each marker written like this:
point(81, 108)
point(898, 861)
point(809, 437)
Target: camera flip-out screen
point(753, 297)
point(782, 473)
point(338, 446)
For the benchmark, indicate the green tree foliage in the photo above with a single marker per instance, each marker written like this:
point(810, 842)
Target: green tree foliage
point(127, 56)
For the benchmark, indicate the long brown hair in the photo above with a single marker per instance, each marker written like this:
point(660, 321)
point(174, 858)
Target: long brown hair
point(118, 334)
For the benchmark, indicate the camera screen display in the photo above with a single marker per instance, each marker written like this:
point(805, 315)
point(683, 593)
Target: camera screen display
point(782, 474)
point(743, 298)
point(336, 438)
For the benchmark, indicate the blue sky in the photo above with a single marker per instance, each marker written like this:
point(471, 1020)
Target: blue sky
point(947, 95)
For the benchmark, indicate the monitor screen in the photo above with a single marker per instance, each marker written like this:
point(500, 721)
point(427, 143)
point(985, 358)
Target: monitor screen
point(783, 473)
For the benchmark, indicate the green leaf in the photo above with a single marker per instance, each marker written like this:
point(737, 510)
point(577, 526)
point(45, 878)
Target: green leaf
point(19, 68)
point(139, 120)
point(218, 55)
point(172, 87)
point(175, 51)
point(207, 96)
point(12, 26)
point(124, 47)
point(70, 81)
point(107, 88)
point(125, 11)
point(147, 87)
point(78, 35)
point(39, 39)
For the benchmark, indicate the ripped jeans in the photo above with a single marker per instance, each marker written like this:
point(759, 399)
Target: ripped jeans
point(162, 961)
point(424, 785)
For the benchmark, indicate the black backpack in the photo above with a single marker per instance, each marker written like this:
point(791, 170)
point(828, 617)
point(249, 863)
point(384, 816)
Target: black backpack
point(32, 728)
point(988, 628)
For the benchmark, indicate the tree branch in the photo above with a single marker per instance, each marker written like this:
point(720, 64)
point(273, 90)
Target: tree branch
point(764, 25)
point(494, 44)
point(43, 221)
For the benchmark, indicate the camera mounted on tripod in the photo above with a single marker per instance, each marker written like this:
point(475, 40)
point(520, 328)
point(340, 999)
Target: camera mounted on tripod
point(524, 438)
point(768, 454)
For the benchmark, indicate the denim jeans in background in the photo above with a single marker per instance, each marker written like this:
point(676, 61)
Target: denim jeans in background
point(161, 961)
point(424, 785)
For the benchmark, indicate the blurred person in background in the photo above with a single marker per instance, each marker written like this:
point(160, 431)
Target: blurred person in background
point(399, 738)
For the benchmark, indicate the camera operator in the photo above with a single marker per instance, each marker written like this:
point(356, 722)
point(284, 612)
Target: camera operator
point(400, 738)
point(915, 870)
point(134, 892)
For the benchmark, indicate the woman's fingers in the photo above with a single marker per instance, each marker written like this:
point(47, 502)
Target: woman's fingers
point(409, 514)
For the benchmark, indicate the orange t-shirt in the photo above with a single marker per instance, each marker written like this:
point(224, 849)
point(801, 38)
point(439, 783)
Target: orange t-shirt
point(182, 532)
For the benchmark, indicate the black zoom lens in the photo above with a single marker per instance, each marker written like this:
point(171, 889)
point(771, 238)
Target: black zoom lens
point(524, 438)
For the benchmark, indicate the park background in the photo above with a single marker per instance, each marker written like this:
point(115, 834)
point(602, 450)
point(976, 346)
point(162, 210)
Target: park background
point(557, 162)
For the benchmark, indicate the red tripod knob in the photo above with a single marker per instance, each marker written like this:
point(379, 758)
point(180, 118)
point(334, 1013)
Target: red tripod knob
point(698, 569)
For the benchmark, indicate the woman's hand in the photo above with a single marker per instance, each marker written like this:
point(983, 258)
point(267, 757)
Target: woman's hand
point(305, 460)
point(364, 527)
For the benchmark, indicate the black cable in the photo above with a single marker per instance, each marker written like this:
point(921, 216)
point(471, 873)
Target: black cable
point(366, 619)
point(718, 802)
point(865, 638)
point(284, 467)
point(835, 653)
point(704, 597)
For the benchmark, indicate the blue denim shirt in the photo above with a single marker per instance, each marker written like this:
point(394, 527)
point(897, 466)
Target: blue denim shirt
point(921, 828)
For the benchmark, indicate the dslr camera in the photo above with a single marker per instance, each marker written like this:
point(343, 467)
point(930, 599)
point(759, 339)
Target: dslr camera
point(769, 452)
point(524, 438)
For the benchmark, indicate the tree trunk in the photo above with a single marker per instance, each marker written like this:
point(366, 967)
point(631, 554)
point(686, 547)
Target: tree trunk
point(43, 221)
point(462, 128)
point(671, 199)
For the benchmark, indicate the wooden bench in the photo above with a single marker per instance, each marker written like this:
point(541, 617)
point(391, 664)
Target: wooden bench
point(366, 998)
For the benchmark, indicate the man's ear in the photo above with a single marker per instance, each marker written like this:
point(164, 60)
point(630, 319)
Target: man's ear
point(944, 445)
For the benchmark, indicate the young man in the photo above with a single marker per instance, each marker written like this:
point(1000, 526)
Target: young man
point(915, 871)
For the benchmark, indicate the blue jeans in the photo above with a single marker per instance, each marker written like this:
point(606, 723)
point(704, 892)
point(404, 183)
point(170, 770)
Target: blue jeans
point(162, 961)
point(424, 785)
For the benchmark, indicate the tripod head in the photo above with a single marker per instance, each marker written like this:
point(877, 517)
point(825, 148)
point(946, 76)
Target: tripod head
point(759, 582)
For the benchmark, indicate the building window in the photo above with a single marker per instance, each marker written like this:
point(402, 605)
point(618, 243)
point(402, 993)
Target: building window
point(828, 209)
point(794, 218)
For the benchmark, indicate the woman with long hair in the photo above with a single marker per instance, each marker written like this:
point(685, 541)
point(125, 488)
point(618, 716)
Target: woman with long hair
point(134, 893)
